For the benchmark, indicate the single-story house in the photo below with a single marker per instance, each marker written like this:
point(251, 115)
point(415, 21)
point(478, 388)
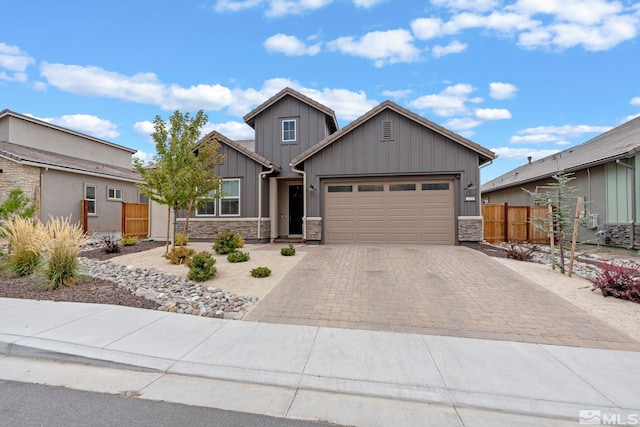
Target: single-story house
point(607, 172)
point(57, 168)
point(390, 176)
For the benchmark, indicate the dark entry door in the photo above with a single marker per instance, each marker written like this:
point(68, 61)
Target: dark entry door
point(296, 208)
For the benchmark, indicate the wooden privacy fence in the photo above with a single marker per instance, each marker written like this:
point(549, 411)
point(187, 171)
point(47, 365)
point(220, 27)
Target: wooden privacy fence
point(504, 223)
point(135, 219)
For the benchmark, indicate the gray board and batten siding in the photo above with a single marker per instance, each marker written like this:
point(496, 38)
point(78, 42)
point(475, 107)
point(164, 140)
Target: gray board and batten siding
point(412, 150)
point(312, 126)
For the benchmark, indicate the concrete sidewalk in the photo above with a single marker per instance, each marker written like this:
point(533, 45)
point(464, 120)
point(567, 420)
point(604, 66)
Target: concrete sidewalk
point(318, 369)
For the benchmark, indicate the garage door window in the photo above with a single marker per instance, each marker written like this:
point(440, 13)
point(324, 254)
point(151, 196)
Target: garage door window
point(340, 189)
point(437, 186)
point(370, 187)
point(402, 187)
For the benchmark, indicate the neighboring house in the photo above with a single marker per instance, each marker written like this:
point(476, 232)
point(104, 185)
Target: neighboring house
point(391, 176)
point(57, 168)
point(607, 177)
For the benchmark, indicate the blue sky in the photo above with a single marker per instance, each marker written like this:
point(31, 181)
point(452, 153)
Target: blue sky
point(520, 77)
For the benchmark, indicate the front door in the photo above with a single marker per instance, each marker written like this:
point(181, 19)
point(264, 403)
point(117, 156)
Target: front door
point(296, 208)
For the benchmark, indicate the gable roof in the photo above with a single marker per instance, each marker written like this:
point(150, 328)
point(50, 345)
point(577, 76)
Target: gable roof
point(485, 154)
point(47, 159)
point(215, 135)
point(618, 143)
point(9, 113)
point(249, 118)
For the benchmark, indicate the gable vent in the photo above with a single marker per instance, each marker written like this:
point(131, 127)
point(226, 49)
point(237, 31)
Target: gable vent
point(387, 130)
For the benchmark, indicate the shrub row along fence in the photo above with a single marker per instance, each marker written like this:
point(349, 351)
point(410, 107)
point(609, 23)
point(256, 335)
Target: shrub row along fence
point(504, 223)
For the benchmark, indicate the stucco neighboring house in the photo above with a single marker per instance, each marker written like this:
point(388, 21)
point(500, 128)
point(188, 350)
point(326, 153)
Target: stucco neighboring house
point(390, 176)
point(607, 177)
point(57, 168)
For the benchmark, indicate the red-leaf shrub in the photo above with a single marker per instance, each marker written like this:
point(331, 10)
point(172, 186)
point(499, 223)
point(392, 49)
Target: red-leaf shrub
point(520, 253)
point(618, 281)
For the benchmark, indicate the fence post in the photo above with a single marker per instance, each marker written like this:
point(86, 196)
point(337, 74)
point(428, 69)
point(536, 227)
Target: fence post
point(528, 224)
point(506, 221)
point(123, 220)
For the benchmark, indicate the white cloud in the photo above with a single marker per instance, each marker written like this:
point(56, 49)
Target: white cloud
point(383, 47)
point(631, 117)
point(235, 6)
point(427, 28)
point(366, 4)
point(464, 123)
point(453, 47)
point(84, 123)
point(582, 11)
point(230, 129)
point(12, 58)
point(199, 97)
point(565, 130)
point(476, 5)
point(493, 113)
point(95, 81)
point(558, 135)
point(451, 101)
point(290, 45)
point(500, 90)
point(145, 157)
point(144, 128)
point(508, 153)
point(397, 93)
point(278, 8)
point(635, 101)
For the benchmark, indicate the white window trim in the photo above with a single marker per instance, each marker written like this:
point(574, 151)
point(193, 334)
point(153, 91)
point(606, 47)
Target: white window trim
point(232, 198)
point(115, 192)
point(295, 130)
point(206, 215)
point(95, 200)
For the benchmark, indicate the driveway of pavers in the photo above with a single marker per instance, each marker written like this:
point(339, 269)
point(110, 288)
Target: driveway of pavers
point(430, 290)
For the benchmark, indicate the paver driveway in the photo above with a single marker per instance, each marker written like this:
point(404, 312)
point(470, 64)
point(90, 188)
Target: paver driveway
point(431, 290)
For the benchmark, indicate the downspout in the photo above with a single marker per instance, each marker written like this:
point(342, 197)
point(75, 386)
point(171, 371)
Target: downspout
point(261, 176)
point(304, 200)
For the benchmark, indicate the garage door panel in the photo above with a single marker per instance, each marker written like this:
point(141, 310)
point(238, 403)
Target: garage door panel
point(418, 216)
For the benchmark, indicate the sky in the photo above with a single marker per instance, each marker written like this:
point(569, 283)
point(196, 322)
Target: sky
point(519, 77)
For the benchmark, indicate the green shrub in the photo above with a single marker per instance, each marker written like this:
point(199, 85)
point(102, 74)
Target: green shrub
point(111, 245)
point(61, 242)
point(17, 205)
point(181, 239)
point(261, 272)
point(23, 257)
point(238, 256)
point(227, 242)
point(288, 251)
point(201, 267)
point(180, 255)
point(129, 240)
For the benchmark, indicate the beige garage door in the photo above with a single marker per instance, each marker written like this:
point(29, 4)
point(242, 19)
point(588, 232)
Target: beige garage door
point(389, 212)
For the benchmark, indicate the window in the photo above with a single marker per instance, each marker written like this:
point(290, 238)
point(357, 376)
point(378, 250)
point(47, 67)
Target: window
point(209, 208)
point(230, 201)
point(435, 186)
point(402, 187)
point(114, 193)
point(370, 187)
point(340, 189)
point(288, 130)
point(143, 199)
point(91, 196)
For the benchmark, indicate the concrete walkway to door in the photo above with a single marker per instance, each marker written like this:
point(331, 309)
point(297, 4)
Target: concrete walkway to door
point(429, 290)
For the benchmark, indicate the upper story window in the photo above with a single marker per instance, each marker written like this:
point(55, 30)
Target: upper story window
point(91, 196)
point(114, 193)
point(288, 130)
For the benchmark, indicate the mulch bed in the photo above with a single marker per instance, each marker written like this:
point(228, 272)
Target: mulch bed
point(91, 290)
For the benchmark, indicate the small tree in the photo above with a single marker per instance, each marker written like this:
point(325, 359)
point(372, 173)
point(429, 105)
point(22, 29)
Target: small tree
point(176, 177)
point(561, 195)
point(17, 205)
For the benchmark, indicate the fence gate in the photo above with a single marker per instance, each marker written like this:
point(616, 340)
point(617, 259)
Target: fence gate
point(504, 223)
point(135, 219)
